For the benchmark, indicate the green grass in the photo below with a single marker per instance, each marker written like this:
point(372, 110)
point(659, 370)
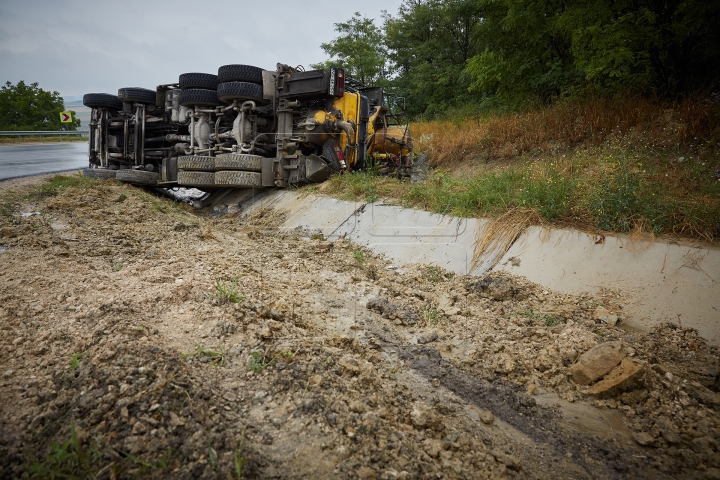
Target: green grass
point(206, 355)
point(431, 315)
point(609, 188)
point(8, 202)
point(68, 460)
point(161, 463)
point(549, 320)
point(45, 139)
point(158, 204)
point(227, 292)
point(58, 183)
point(75, 361)
point(259, 362)
point(238, 460)
point(435, 274)
point(357, 186)
point(359, 256)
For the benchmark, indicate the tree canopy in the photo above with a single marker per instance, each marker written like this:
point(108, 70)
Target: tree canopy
point(29, 107)
point(452, 53)
point(359, 49)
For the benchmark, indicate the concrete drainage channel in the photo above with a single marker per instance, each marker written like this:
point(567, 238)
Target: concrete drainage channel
point(657, 281)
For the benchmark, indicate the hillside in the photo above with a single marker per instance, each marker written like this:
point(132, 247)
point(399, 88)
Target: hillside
point(628, 165)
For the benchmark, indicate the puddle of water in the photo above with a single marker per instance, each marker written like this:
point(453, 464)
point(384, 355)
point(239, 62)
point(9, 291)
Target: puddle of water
point(586, 419)
point(3, 249)
point(29, 214)
point(455, 349)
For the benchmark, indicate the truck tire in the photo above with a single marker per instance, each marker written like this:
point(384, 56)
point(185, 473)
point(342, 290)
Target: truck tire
point(97, 100)
point(196, 179)
point(238, 161)
point(139, 177)
point(196, 96)
point(193, 162)
point(238, 179)
point(229, 91)
point(98, 173)
point(136, 95)
point(240, 73)
point(207, 81)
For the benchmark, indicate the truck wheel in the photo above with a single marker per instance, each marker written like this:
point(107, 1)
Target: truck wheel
point(238, 161)
point(140, 177)
point(192, 162)
point(196, 179)
point(238, 179)
point(207, 81)
point(97, 100)
point(229, 91)
point(196, 96)
point(240, 73)
point(137, 95)
point(98, 173)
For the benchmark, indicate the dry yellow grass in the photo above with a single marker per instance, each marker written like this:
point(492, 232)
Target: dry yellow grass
point(497, 236)
point(692, 122)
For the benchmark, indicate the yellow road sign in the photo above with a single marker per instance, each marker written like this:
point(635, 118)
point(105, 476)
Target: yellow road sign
point(66, 117)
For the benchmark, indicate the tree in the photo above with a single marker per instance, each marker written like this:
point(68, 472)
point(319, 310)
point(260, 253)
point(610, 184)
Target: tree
point(29, 107)
point(468, 54)
point(546, 49)
point(358, 49)
point(428, 44)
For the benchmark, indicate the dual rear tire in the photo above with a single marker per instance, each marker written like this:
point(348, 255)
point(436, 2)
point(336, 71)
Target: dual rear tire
point(233, 82)
point(226, 170)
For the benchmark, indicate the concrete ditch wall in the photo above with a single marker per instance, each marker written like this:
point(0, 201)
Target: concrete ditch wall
point(657, 281)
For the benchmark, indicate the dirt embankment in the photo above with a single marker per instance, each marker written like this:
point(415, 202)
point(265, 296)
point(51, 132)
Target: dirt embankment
point(144, 338)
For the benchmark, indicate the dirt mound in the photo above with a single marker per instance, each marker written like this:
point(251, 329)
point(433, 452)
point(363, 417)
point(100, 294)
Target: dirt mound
point(144, 339)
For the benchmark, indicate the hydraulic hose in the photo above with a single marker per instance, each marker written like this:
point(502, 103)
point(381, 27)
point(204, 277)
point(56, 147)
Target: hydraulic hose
point(349, 131)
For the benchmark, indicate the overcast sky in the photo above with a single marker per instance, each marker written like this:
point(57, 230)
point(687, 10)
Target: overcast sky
point(83, 46)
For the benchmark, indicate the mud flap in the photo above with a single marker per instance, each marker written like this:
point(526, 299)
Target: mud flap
point(330, 151)
point(316, 170)
point(169, 170)
point(266, 170)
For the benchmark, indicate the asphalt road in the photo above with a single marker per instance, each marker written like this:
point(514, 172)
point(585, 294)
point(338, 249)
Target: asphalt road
point(24, 160)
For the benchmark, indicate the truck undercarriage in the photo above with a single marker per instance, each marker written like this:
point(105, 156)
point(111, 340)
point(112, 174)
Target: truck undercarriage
point(246, 128)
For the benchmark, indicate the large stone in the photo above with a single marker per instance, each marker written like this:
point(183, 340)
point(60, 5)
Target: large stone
point(597, 362)
point(702, 394)
point(423, 416)
point(629, 374)
point(427, 337)
point(604, 315)
point(644, 439)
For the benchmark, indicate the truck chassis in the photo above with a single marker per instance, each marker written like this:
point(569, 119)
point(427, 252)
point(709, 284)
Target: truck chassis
point(247, 128)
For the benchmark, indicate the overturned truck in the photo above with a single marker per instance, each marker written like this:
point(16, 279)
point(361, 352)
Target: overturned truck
point(247, 128)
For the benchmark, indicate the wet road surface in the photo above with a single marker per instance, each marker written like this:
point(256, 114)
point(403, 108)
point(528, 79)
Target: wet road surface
point(23, 160)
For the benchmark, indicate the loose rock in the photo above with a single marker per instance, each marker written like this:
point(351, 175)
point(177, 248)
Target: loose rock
point(597, 362)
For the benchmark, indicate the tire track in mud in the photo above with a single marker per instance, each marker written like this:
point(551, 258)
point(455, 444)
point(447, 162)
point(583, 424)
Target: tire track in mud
point(592, 456)
point(556, 445)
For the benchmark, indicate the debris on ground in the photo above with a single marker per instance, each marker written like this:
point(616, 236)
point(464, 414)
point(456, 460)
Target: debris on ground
point(144, 339)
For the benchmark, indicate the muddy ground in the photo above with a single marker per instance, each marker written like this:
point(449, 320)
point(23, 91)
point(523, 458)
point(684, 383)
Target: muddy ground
point(143, 338)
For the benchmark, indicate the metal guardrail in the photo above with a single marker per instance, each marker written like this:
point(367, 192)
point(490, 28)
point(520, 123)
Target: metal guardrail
point(40, 133)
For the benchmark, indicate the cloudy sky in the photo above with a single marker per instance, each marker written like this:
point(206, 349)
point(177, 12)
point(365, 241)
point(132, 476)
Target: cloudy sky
point(82, 46)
